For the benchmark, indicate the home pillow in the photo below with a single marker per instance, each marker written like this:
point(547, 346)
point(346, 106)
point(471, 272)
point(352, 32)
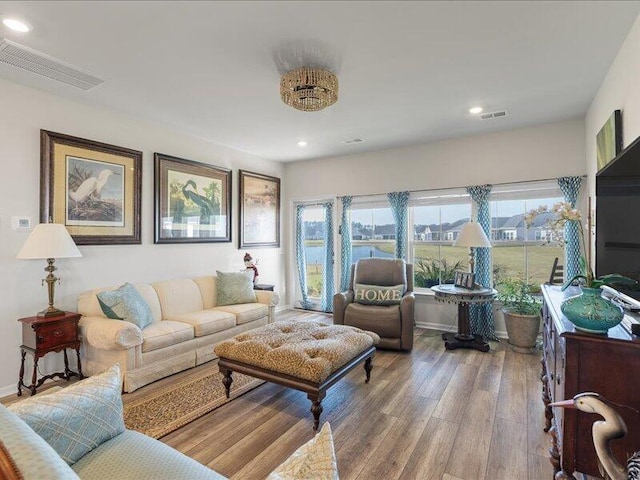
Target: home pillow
point(377, 295)
point(235, 287)
point(78, 418)
point(126, 303)
point(315, 460)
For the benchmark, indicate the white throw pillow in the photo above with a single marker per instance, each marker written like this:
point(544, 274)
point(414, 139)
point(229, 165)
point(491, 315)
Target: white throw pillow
point(315, 460)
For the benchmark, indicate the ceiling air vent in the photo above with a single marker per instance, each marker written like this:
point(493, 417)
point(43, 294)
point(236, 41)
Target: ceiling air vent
point(487, 116)
point(31, 60)
point(352, 141)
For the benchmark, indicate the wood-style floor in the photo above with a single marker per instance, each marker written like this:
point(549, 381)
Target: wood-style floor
point(430, 414)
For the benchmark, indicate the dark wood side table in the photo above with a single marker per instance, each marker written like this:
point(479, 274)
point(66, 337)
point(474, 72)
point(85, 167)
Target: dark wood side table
point(263, 286)
point(43, 335)
point(463, 297)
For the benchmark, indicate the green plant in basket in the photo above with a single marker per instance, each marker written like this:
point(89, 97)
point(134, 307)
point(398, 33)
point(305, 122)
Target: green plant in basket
point(518, 296)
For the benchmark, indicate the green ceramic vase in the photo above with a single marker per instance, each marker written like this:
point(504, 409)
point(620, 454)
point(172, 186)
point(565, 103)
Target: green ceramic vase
point(589, 312)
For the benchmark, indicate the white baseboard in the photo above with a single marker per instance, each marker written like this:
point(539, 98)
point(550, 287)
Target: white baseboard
point(451, 328)
point(8, 390)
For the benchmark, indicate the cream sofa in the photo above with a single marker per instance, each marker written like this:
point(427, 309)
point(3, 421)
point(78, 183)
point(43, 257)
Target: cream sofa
point(186, 326)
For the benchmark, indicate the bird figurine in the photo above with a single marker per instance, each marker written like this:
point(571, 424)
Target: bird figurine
point(603, 432)
point(92, 186)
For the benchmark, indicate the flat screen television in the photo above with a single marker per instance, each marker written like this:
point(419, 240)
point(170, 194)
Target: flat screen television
point(618, 216)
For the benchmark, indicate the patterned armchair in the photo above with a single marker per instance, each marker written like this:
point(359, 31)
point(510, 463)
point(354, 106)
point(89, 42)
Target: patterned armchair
point(391, 318)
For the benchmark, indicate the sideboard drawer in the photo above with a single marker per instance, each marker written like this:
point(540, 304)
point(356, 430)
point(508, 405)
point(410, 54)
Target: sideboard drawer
point(52, 334)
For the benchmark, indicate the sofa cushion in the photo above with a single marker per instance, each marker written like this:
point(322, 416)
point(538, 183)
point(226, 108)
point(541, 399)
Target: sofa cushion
point(315, 460)
point(377, 295)
point(383, 320)
point(247, 312)
point(206, 322)
point(165, 333)
point(208, 289)
point(77, 419)
point(235, 288)
point(89, 306)
point(134, 456)
point(126, 303)
point(178, 296)
point(32, 456)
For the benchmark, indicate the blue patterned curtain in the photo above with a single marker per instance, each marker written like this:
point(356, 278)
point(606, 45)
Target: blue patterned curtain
point(482, 315)
point(345, 244)
point(301, 258)
point(328, 288)
point(399, 202)
point(570, 187)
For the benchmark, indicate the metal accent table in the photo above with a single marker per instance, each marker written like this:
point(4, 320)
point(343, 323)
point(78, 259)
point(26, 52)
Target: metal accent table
point(463, 297)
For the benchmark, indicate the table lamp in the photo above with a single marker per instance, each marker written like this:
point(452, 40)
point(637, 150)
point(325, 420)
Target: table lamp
point(50, 241)
point(472, 235)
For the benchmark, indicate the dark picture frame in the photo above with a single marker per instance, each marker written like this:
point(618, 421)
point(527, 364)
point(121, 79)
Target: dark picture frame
point(609, 140)
point(259, 201)
point(464, 280)
point(192, 201)
point(93, 188)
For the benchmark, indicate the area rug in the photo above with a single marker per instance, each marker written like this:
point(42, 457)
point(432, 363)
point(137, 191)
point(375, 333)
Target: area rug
point(177, 404)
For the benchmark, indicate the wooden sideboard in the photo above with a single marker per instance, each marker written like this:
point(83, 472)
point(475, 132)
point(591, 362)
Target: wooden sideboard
point(575, 362)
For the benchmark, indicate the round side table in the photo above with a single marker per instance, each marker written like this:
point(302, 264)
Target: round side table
point(464, 297)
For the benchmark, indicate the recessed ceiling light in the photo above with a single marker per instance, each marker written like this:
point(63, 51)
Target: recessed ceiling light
point(302, 143)
point(16, 25)
point(475, 110)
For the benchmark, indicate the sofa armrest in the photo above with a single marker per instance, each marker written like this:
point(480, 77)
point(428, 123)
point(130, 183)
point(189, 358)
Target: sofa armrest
point(270, 299)
point(407, 314)
point(108, 334)
point(340, 302)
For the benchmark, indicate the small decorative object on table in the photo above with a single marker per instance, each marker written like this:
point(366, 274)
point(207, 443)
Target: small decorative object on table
point(464, 280)
point(249, 264)
point(589, 311)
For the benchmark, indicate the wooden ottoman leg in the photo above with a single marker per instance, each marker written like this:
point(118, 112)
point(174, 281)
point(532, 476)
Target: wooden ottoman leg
point(227, 380)
point(367, 368)
point(316, 408)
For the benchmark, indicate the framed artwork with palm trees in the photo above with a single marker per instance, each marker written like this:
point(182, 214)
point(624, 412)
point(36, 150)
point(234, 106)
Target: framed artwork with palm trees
point(259, 222)
point(192, 201)
point(92, 188)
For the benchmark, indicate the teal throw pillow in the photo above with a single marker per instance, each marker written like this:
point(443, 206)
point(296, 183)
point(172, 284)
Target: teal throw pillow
point(377, 295)
point(235, 287)
point(78, 418)
point(126, 303)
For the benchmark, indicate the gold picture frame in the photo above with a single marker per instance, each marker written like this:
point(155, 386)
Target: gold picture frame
point(259, 221)
point(93, 188)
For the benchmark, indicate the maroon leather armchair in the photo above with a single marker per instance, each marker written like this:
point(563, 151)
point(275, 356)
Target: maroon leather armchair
point(394, 323)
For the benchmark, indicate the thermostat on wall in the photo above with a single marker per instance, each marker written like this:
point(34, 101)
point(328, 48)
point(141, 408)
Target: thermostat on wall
point(21, 223)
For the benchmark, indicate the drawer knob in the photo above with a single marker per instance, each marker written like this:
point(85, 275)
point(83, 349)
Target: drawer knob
point(57, 333)
point(39, 338)
point(559, 379)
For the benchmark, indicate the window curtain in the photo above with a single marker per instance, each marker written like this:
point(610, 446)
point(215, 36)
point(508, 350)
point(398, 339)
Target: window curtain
point(482, 315)
point(570, 187)
point(399, 202)
point(328, 287)
point(301, 258)
point(345, 244)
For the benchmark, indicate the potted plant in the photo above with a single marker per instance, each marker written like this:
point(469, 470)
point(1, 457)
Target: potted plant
point(521, 309)
point(430, 272)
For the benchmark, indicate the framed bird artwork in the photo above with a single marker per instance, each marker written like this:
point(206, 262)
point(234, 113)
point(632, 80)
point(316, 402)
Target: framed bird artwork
point(92, 188)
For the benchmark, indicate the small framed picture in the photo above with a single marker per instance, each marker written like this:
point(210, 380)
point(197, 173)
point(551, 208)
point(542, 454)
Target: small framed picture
point(464, 280)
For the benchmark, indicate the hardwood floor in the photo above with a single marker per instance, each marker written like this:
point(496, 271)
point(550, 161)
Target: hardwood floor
point(430, 414)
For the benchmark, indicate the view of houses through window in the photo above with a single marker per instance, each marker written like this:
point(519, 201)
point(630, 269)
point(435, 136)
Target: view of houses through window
point(518, 250)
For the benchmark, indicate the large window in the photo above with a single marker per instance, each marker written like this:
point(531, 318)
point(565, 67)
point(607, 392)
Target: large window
point(314, 246)
point(373, 232)
point(435, 223)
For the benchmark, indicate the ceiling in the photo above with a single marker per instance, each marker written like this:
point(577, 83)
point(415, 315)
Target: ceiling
point(408, 71)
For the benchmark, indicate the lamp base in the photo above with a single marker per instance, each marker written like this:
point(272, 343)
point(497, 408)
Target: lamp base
point(50, 312)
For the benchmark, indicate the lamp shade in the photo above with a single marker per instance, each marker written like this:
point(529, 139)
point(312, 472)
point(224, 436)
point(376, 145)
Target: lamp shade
point(472, 235)
point(49, 240)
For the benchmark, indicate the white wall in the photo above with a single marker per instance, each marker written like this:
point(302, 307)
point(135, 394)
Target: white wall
point(540, 152)
point(619, 90)
point(23, 113)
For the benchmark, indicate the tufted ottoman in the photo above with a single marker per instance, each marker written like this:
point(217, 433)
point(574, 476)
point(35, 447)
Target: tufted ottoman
point(309, 356)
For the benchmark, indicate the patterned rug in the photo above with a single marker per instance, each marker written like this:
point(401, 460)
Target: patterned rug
point(177, 404)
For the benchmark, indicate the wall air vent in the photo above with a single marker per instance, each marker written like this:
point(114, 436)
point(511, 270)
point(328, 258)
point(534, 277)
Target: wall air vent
point(487, 116)
point(33, 61)
point(352, 141)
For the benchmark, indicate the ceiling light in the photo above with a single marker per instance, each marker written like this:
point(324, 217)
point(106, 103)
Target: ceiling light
point(475, 110)
point(16, 25)
point(302, 143)
point(309, 89)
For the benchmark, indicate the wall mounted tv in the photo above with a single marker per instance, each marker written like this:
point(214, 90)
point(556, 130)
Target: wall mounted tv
point(618, 215)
